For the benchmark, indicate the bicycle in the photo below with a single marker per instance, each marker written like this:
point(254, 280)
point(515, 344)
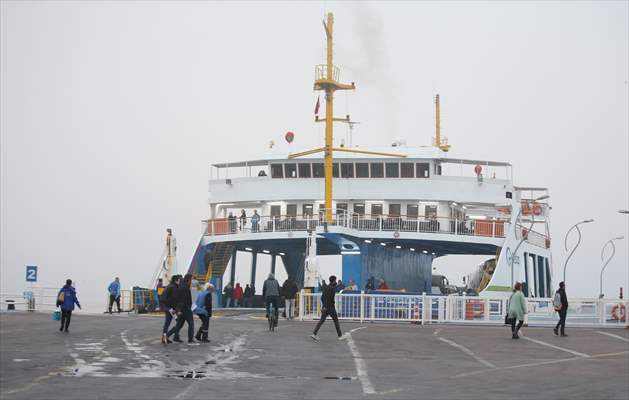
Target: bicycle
point(272, 317)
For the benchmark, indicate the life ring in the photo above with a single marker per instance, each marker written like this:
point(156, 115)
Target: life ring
point(618, 312)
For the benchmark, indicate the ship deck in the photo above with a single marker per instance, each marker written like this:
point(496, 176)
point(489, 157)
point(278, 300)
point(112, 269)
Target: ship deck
point(119, 356)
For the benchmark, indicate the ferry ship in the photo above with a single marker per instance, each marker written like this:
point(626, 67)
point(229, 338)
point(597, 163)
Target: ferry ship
point(388, 212)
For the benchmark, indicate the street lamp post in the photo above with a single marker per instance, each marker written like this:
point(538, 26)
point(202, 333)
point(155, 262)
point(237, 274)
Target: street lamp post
point(610, 241)
point(565, 243)
point(511, 258)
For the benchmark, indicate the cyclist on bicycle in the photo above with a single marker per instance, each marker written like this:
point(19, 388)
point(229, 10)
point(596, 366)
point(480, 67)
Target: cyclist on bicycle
point(271, 293)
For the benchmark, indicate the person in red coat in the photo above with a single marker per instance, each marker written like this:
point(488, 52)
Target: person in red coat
point(382, 285)
point(238, 293)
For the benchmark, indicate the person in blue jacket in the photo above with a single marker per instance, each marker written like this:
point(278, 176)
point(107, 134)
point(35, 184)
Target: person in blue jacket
point(66, 300)
point(204, 311)
point(114, 294)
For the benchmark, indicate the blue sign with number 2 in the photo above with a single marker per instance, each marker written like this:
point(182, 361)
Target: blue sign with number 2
point(31, 273)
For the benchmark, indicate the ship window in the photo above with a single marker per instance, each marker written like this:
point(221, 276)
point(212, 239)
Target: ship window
point(548, 282)
point(317, 170)
point(335, 170)
point(291, 210)
point(304, 170)
point(422, 170)
point(277, 171)
point(362, 170)
point(437, 169)
point(341, 208)
point(407, 170)
point(431, 211)
point(376, 209)
point(377, 170)
point(290, 170)
point(393, 170)
point(394, 210)
point(347, 170)
point(359, 208)
point(306, 210)
point(412, 211)
point(276, 211)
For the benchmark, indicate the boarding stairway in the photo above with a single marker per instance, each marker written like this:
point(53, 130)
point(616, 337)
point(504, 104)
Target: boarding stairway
point(216, 261)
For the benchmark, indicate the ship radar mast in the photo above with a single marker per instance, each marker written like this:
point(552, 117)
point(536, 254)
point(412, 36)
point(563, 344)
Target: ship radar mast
point(326, 79)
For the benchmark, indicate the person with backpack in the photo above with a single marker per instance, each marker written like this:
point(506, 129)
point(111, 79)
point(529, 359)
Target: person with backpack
point(560, 303)
point(271, 292)
point(328, 308)
point(114, 294)
point(169, 300)
point(204, 311)
point(66, 299)
point(517, 310)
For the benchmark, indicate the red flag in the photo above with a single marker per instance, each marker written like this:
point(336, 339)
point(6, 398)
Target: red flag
point(317, 107)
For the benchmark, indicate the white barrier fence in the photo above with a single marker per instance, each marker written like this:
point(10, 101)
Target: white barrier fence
point(461, 309)
point(37, 298)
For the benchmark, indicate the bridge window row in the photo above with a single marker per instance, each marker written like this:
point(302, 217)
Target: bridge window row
point(352, 170)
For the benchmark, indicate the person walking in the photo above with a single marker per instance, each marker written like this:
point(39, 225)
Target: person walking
point(66, 299)
point(247, 296)
point(562, 308)
point(271, 293)
point(289, 291)
point(114, 294)
point(228, 293)
point(184, 311)
point(517, 310)
point(204, 312)
point(169, 300)
point(328, 308)
point(238, 295)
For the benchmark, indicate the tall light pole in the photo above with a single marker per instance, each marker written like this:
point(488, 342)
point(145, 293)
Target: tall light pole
point(610, 241)
point(511, 258)
point(565, 243)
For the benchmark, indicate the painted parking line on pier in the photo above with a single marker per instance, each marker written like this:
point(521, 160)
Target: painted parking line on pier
point(612, 335)
point(468, 352)
point(552, 346)
point(361, 366)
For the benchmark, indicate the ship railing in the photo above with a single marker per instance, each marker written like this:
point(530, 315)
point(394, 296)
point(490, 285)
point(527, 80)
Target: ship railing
point(361, 222)
point(533, 237)
point(423, 308)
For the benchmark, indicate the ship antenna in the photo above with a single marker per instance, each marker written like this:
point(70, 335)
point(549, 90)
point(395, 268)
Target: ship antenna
point(442, 144)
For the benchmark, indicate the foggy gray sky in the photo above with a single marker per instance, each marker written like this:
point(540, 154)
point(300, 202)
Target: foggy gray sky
point(111, 113)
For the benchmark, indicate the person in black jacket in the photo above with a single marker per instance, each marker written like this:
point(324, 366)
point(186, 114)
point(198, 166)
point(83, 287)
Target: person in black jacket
point(289, 291)
point(564, 310)
point(328, 308)
point(168, 299)
point(184, 311)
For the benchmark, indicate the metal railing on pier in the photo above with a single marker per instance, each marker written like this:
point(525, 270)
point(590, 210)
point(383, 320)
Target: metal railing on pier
point(422, 308)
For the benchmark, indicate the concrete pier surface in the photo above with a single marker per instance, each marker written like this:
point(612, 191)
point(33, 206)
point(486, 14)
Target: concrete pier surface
point(120, 357)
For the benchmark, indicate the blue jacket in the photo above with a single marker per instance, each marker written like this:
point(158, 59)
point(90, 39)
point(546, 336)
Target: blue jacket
point(204, 304)
point(114, 289)
point(69, 298)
